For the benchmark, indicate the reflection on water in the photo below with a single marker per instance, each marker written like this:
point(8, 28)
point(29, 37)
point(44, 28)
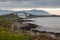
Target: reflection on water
point(47, 23)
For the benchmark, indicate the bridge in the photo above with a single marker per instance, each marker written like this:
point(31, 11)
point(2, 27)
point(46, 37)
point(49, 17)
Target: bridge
point(25, 13)
point(28, 15)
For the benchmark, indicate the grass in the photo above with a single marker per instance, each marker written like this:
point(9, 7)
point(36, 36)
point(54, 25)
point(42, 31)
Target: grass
point(6, 35)
point(10, 36)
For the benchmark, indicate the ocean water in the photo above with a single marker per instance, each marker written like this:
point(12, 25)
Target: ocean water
point(47, 23)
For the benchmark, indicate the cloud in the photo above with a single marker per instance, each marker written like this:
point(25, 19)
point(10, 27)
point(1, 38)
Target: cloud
point(29, 3)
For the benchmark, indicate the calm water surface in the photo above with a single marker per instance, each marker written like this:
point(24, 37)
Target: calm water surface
point(47, 23)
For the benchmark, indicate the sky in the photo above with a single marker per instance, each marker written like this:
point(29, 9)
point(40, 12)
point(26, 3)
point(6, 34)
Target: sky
point(17, 5)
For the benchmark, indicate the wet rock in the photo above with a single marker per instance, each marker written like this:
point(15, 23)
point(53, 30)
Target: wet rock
point(35, 31)
point(29, 26)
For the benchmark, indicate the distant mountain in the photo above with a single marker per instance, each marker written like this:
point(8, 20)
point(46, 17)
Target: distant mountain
point(2, 12)
point(36, 12)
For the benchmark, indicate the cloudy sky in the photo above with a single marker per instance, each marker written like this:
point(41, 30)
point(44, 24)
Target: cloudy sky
point(29, 4)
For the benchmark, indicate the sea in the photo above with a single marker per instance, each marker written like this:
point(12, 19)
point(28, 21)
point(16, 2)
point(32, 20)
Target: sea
point(49, 24)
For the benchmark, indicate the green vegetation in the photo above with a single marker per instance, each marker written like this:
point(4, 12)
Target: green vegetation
point(0, 17)
point(7, 34)
point(6, 23)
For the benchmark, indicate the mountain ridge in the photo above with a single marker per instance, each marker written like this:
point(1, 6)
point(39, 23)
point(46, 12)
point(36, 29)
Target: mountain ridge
point(33, 11)
point(37, 12)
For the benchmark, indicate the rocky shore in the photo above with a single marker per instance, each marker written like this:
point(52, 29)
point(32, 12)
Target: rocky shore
point(19, 26)
point(30, 28)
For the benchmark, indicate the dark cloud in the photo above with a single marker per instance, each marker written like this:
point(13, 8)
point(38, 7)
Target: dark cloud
point(29, 3)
